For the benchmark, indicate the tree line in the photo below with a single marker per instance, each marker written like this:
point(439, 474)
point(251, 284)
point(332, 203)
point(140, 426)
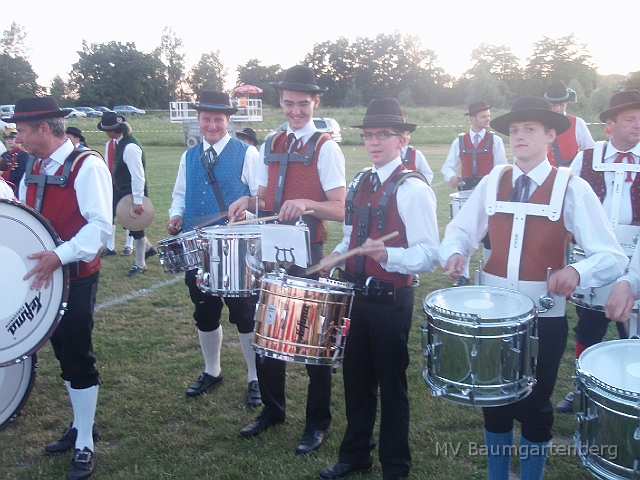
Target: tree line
point(389, 65)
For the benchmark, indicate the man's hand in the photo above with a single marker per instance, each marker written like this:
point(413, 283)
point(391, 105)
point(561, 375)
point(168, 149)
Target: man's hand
point(375, 249)
point(48, 262)
point(564, 282)
point(174, 225)
point(620, 302)
point(453, 267)
point(138, 209)
point(237, 209)
point(454, 181)
point(328, 263)
point(292, 209)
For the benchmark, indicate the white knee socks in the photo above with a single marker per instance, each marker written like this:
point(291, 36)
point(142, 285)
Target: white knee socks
point(83, 402)
point(211, 343)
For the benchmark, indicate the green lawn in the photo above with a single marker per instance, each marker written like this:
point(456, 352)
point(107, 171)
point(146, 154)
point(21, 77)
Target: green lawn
point(148, 353)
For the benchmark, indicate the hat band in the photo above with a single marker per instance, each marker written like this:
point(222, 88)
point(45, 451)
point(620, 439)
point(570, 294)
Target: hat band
point(383, 118)
point(34, 112)
point(213, 105)
point(622, 105)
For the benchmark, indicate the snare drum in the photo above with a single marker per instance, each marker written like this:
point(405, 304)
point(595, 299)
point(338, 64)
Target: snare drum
point(302, 320)
point(179, 253)
point(16, 382)
point(231, 260)
point(27, 317)
point(480, 345)
point(607, 434)
point(456, 201)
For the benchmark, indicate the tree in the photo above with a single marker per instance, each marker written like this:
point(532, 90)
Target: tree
point(17, 78)
point(116, 73)
point(170, 52)
point(59, 90)
point(13, 42)
point(499, 62)
point(208, 74)
point(632, 81)
point(252, 73)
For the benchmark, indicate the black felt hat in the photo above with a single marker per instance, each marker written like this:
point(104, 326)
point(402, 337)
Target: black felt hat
point(34, 108)
point(214, 101)
point(111, 121)
point(76, 132)
point(476, 107)
point(531, 109)
point(621, 101)
point(385, 112)
point(248, 133)
point(299, 79)
point(557, 92)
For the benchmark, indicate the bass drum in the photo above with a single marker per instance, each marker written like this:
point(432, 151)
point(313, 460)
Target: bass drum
point(28, 317)
point(16, 382)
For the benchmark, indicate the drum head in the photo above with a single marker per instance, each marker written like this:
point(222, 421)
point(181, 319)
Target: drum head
point(16, 381)
point(489, 304)
point(28, 317)
point(615, 363)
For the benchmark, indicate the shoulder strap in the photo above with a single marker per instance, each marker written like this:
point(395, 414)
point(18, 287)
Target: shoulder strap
point(353, 187)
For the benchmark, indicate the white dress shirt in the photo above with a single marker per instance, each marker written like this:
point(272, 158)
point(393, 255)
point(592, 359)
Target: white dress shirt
point(331, 163)
point(249, 174)
point(583, 216)
point(633, 275)
point(6, 192)
point(417, 208)
point(95, 199)
point(583, 135)
point(422, 165)
point(453, 157)
point(132, 157)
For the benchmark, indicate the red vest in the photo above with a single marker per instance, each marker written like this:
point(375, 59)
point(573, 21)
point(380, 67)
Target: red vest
point(545, 242)
point(409, 160)
point(596, 180)
point(60, 207)
point(485, 160)
point(364, 197)
point(566, 143)
point(301, 181)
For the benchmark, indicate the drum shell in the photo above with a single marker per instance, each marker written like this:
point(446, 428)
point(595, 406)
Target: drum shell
point(480, 361)
point(302, 320)
point(16, 382)
point(457, 201)
point(180, 253)
point(231, 261)
point(607, 433)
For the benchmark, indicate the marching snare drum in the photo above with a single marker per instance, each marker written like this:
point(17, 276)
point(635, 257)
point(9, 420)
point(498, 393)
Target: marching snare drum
point(179, 253)
point(457, 200)
point(28, 317)
point(480, 345)
point(231, 260)
point(16, 382)
point(302, 320)
point(607, 434)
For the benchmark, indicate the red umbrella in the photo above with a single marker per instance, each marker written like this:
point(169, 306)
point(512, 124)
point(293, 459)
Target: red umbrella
point(247, 89)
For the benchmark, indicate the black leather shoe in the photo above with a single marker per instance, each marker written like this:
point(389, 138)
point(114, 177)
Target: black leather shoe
point(136, 270)
point(566, 405)
point(311, 440)
point(203, 383)
point(341, 470)
point(259, 426)
point(126, 252)
point(107, 252)
point(150, 253)
point(68, 441)
point(83, 464)
point(254, 399)
point(461, 281)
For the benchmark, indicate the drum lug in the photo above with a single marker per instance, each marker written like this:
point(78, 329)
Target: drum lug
point(534, 346)
point(225, 248)
point(636, 434)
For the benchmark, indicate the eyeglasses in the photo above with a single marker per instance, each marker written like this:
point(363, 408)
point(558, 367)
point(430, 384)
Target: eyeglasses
point(301, 105)
point(383, 135)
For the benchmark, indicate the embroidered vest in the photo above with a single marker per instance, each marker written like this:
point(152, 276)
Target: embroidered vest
point(200, 200)
point(66, 221)
point(545, 242)
point(565, 147)
point(121, 175)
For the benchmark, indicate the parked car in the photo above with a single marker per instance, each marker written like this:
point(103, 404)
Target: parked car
point(323, 124)
point(102, 109)
point(90, 112)
point(128, 110)
point(75, 113)
point(6, 110)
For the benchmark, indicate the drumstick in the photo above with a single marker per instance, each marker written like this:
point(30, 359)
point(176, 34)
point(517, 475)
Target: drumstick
point(265, 219)
point(355, 251)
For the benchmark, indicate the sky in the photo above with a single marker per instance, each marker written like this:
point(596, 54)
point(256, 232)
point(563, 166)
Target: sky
point(277, 34)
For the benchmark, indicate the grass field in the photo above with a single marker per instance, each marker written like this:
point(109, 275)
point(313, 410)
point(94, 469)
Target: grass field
point(148, 353)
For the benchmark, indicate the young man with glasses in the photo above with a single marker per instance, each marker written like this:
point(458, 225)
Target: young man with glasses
point(300, 169)
point(212, 175)
point(376, 354)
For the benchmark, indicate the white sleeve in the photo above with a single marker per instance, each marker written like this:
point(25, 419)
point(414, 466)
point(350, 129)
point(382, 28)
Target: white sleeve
point(451, 163)
point(132, 157)
point(179, 189)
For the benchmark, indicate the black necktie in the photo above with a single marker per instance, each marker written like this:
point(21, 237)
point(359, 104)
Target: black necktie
point(291, 143)
point(520, 192)
point(212, 157)
point(375, 182)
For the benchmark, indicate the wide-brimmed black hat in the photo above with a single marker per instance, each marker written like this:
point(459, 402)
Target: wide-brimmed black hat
point(557, 92)
point(476, 107)
point(248, 133)
point(299, 79)
point(385, 112)
point(34, 108)
point(535, 109)
point(111, 121)
point(76, 132)
point(621, 101)
point(214, 101)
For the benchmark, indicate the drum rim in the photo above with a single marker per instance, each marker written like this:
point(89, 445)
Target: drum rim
point(321, 285)
point(65, 281)
point(32, 378)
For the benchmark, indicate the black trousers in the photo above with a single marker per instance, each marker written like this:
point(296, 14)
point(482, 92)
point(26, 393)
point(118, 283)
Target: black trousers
point(535, 412)
point(208, 308)
point(376, 357)
point(272, 374)
point(71, 341)
point(592, 326)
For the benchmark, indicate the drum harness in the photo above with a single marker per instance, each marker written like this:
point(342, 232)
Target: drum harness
point(469, 183)
point(62, 180)
point(545, 303)
point(372, 288)
point(283, 159)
